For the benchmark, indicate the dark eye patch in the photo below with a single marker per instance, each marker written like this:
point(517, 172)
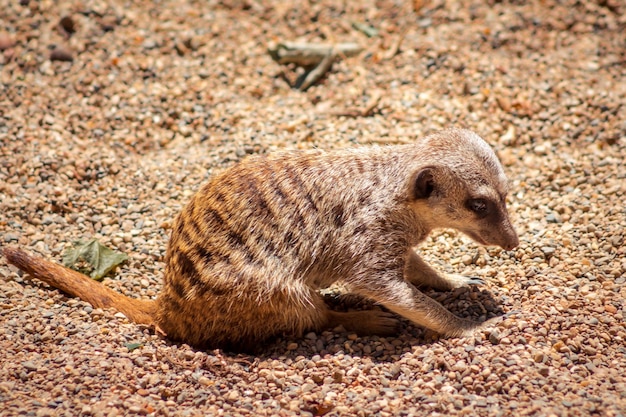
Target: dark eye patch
point(480, 206)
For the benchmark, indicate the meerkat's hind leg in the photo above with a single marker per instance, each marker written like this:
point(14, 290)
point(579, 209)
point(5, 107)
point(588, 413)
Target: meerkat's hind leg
point(419, 273)
point(365, 322)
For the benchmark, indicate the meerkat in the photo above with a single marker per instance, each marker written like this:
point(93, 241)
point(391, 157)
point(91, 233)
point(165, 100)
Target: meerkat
point(251, 250)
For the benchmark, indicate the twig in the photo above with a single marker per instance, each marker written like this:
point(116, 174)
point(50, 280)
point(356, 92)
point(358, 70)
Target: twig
point(318, 58)
point(310, 54)
point(366, 111)
point(318, 72)
point(395, 47)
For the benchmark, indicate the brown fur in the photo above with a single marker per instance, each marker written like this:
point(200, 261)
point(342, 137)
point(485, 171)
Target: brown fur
point(250, 250)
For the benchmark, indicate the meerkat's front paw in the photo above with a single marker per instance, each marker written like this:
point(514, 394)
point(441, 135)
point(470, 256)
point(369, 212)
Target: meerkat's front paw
point(489, 327)
point(457, 281)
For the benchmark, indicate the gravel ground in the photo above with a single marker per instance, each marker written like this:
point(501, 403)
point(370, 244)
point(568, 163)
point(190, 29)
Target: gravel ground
point(113, 113)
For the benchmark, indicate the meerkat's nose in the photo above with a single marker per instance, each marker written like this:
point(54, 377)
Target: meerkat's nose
point(512, 242)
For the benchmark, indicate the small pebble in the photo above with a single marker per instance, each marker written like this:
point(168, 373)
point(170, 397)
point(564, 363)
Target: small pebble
point(11, 237)
point(30, 366)
point(68, 24)
point(553, 218)
point(467, 259)
point(6, 41)
point(61, 54)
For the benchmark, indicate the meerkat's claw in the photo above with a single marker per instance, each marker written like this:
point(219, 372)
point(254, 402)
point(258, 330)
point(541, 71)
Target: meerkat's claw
point(457, 281)
point(475, 281)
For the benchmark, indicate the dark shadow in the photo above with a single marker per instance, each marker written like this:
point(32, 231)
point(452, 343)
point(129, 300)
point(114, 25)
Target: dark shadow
point(469, 302)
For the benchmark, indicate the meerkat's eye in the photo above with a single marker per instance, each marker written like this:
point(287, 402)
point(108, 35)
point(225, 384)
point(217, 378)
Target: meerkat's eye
point(480, 206)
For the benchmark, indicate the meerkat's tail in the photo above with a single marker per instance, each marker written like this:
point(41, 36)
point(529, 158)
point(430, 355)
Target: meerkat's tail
point(81, 286)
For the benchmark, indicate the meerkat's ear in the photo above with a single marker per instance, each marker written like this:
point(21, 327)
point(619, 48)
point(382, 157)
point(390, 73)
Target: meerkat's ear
point(424, 183)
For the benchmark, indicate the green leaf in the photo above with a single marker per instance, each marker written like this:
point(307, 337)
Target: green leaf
point(133, 346)
point(100, 260)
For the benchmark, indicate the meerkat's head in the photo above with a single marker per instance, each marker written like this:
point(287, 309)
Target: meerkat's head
point(461, 185)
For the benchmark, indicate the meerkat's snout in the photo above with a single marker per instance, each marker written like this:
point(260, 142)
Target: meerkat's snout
point(509, 239)
point(503, 236)
point(489, 224)
point(512, 245)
